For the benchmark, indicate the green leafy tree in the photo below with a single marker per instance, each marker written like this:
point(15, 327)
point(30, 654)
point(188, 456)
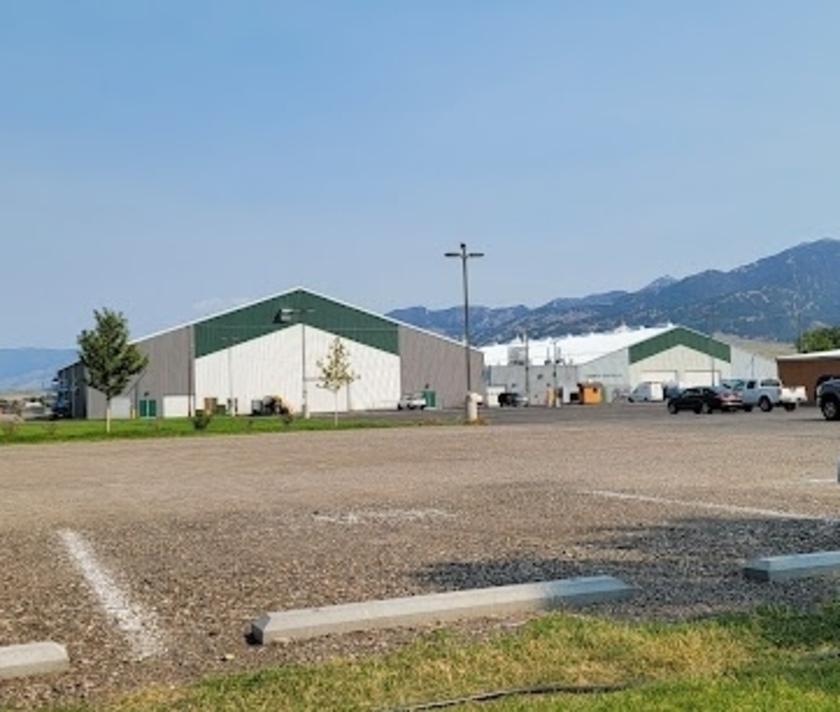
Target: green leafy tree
point(822, 339)
point(110, 361)
point(336, 372)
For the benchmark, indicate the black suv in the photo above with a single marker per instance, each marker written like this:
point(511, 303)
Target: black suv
point(828, 399)
point(702, 399)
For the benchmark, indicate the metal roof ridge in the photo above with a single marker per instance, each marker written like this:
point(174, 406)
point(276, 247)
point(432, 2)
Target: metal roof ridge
point(829, 353)
point(386, 318)
point(297, 288)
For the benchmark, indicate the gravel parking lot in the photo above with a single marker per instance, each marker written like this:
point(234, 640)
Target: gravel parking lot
point(193, 538)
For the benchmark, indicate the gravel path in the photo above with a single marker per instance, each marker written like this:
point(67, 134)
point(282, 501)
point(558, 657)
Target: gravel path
point(206, 533)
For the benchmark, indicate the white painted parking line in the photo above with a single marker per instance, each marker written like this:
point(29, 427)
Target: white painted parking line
point(138, 625)
point(731, 508)
point(380, 516)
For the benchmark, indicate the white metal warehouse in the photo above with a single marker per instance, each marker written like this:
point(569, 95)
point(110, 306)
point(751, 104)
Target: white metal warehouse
point(272, 347)
point(620, 361)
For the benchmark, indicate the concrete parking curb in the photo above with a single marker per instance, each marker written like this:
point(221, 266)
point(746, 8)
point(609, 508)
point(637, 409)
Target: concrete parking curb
point(32, 659)
point(417, 610)
point(781, 568)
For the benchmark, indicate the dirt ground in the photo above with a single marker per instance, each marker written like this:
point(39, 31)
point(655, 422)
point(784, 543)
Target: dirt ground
point(203, 534)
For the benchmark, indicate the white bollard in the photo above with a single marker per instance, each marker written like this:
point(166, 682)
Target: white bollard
point(472, 407)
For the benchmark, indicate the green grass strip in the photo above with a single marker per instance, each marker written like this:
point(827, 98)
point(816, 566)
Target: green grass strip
point(770, 659)
point(90, 430)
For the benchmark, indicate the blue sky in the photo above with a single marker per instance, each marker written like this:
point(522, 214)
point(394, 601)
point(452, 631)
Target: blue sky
point(170, 158)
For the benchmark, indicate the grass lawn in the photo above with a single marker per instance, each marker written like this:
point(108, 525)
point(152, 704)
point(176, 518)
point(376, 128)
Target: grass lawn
point(65, 430)
point(767, 660)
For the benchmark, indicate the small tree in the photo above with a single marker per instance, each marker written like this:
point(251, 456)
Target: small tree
point(336, 372)
point(110, 361)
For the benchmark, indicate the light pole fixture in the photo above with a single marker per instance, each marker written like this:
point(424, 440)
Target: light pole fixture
point(289, 315)
point(465, 257)
point(711, 346)
point(555, 360)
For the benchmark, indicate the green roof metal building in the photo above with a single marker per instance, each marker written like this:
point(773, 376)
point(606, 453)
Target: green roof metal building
point(240, 356)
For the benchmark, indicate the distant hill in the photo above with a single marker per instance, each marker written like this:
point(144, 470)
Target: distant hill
point(451, 321)
point(768, 349)
point(770, 300)
point(31, 369)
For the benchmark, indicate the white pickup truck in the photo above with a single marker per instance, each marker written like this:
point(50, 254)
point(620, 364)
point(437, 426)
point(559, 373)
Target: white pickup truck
point(768, 393)
point(412, 401)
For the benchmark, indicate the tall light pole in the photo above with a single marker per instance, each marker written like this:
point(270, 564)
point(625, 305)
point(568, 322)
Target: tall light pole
point(465, 257)
point(711, 352)
point(527, 366)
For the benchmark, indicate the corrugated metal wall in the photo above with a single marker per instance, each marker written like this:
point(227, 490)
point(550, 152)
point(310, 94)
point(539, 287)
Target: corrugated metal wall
point(439, 363)
point(541, 381)
point(169, 372)
point(693, 367)
point(271, 366)
point(749, 365)
point(72, 382)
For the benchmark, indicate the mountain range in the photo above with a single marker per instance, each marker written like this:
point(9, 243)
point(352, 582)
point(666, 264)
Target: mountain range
point(31, 369)
point(772, 299)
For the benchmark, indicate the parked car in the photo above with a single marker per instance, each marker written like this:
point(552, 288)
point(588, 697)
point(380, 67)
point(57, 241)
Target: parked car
point(412, 401)
point(36, 410)
point(647, 392)
point(731, 399)
point(512, 399)
point(768, 393)
point(828, 399)
point(703, 400)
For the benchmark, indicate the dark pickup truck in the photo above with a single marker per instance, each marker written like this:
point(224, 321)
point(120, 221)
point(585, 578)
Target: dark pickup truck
point(512, 399)
point(828, 399)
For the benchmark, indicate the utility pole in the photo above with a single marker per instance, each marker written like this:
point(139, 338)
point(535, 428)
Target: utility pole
point(465, 257)
point(798, 328)
point(190, 380)
point(527, 366)
point(711, 363)
point(711, 352)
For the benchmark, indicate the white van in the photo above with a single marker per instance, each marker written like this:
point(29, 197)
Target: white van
point(648, 392)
